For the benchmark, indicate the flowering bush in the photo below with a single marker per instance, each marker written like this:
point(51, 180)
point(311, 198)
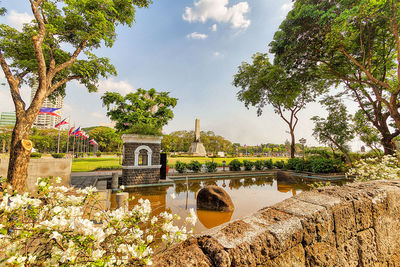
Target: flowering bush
point(64, 226)
point(385, 168)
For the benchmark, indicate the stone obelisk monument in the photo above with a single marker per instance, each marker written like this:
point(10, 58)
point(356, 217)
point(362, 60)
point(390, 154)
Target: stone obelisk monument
point(197, 148)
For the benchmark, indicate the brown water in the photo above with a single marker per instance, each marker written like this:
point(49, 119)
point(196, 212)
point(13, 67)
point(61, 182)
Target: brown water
point(248, 195)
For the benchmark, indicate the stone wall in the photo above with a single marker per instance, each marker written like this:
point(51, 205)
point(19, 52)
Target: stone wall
point(129, 153)
point(353, 225)
point(43, 167)
point(140, 176)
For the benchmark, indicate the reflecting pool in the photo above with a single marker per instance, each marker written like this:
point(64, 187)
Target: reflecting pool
point(249, 194)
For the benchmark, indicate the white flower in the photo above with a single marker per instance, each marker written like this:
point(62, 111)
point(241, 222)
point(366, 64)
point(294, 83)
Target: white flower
point(122, 187)
point(173, 196)
point(149, 238)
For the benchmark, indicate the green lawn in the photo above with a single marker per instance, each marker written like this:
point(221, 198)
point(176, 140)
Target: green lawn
point(90, 164)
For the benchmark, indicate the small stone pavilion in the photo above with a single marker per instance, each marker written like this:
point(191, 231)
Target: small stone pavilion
point(141, 159)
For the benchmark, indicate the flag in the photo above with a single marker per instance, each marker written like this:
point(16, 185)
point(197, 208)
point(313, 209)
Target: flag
point(70, 131)
point(49, 111)
point(77, 131)
point(64, 121)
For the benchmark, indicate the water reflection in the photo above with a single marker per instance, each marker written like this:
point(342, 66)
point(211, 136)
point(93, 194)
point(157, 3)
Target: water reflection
point(248, 195)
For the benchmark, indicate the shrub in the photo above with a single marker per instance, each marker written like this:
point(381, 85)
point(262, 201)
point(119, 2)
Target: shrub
point(385, 168)
point(248, 165)
point(304, 166)
point(98, 154)
point(58, 155)
point(235, 165)
point(268, 164)
point(194, 166)
point(259, 165)
point(211, 166)
point(58, 228)
point(118, 153)
point(279, 164)
point(323, 165)
point(291, 163)
point(36, 155)
point(180, 166)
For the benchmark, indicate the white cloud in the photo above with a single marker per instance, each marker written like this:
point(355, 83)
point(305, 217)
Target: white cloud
point(110, 85)
point(17, 20)
point(214, 28)
point(217, 54)
point(196, 35)
point(217, 10)
point(287, 7)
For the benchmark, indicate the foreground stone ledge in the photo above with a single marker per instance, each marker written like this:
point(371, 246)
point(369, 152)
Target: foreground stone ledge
point(354, 225)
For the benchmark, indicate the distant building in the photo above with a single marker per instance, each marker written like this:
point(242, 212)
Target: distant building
point(7, 119)
point(45, 121)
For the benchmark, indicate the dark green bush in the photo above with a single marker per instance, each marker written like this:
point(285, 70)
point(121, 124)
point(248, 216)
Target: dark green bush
point(268, 164)
point(98, 154)
point(292, 163)
point(324, 165)
point(36, 155)
point(304, 166)
point(259, 165)
point(211, 166)
point(248, 165)
point(279, 164)
point(235, 165)
point(194, 166)
point(118, 153)
point(180, 166)
point(58, 155)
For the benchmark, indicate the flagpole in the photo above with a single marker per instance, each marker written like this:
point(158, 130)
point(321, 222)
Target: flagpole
point(73, 148)
point(58, 143)
point(68, 140)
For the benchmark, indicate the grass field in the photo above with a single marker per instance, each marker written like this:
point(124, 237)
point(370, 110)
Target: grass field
point(90, 164)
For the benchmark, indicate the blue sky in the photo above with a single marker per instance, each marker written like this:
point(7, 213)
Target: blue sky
point(191, 49)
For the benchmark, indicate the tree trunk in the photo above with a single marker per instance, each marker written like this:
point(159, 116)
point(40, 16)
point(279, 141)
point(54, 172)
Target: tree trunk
point(293, 143)
point(19, 156)
point(388, 145)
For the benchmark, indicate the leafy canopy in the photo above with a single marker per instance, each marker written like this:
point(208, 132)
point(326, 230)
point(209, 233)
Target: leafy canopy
point(142, 112)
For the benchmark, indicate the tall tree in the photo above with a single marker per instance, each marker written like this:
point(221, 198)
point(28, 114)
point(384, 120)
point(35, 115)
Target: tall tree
point(366, 132)
point(142, 112)
point(354, 43)
point(38, 54)
point(264, 83)
point(336, 129)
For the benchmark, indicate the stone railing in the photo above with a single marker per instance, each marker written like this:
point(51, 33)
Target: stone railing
point(353, 225)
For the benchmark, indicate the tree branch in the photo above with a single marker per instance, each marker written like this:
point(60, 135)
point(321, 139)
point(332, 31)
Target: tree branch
point(56, 85)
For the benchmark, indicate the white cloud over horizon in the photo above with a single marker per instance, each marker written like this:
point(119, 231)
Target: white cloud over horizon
point(110, 85)
point(287, 7)
point(218, 11)
point(196, 35)
point(214, 27)
point(17, 20)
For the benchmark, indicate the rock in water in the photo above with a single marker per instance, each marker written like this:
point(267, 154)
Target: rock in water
point(213, 197)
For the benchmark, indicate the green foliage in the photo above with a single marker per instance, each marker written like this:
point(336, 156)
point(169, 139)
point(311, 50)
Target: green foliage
point(107, 138)
point(235, 165)
point(194, 166)
point(324, 166)
point(248, 165)
point(259, 165)
point(211, 166)
point(143, 112)
point(268, 164)
point(108, 168)
point(36, 155)
point(280, 164)
point(335, 129)
point(58, 155)
point(180, 166)
point(98, 154)
point(353, 44)
point(291, 163)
